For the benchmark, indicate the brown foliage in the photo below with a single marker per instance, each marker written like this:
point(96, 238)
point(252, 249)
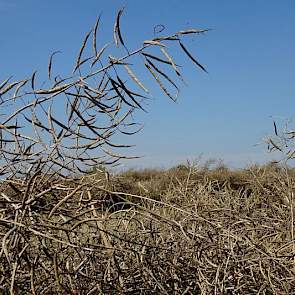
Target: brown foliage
point(64, 230)
point(186, 229)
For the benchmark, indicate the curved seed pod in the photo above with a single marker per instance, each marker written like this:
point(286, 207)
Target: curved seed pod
point(81, 51)
point(2, 85)
point(159, 82)
point(21, 84)
point(50, 63)
point(94, 36)
point(33, 80)
point(53, 90)
point(134, 78)
point(275, 128)
point(99, 54)
point(162, 74)
point(117, 30)
point(171, 62)
point(191, 57)
point(192, 31)
point(129, 93)
point(156, 58)
point(9, 87)
point(153, 42)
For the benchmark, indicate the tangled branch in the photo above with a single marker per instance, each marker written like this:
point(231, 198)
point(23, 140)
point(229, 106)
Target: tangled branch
point(96, 100)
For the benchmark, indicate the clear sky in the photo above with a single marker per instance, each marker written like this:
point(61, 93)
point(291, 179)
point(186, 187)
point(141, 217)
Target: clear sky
point(249, 54)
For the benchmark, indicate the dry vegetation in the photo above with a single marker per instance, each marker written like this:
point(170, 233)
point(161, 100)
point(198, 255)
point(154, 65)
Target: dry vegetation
point(187, 230)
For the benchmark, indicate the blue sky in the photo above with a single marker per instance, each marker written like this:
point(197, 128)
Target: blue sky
point(249, 54)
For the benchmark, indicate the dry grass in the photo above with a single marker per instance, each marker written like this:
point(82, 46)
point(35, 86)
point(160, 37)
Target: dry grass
point(186, 230)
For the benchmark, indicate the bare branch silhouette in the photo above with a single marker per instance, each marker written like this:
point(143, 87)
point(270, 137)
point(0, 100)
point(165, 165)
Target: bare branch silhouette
point(62, 126)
